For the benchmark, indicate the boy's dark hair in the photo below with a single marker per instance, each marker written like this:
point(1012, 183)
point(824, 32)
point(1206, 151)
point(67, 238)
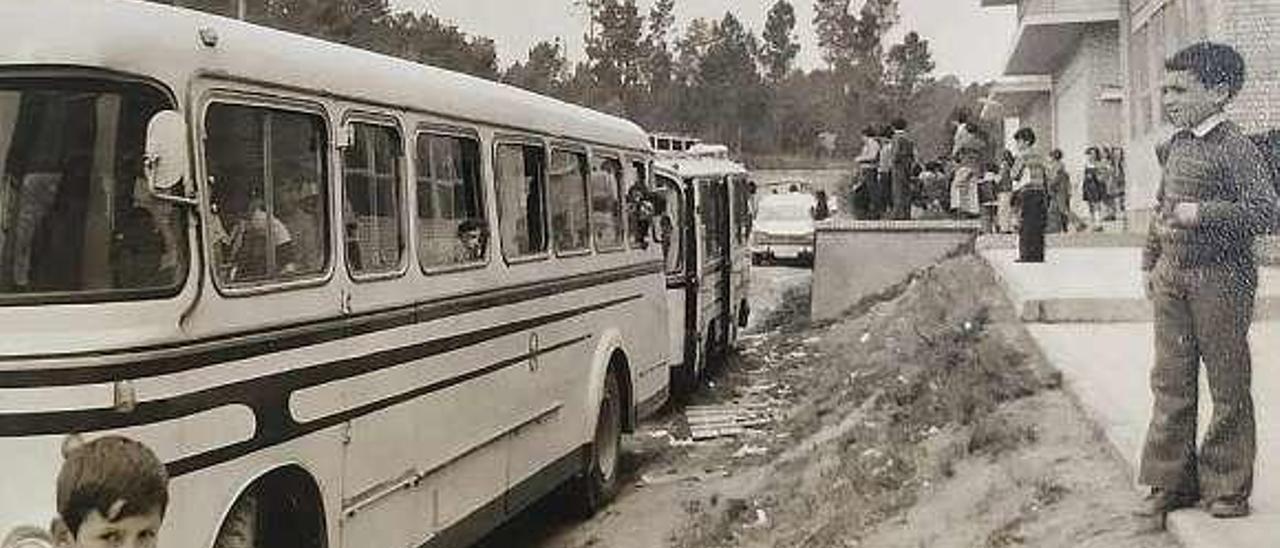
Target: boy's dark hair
point(871, 131)
point(1213, 64)
point(469, 225)
point(96, 475)
point(899, 124)
point(1056, 154)
point(1025, 135)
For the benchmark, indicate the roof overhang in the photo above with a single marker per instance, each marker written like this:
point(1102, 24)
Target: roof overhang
point(1010, 95)
point(1043, 41)
point(994, 3)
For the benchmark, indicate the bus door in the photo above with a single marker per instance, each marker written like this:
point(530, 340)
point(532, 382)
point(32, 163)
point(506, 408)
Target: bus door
point(740, 276)
point(714, 269)
point(675, 231)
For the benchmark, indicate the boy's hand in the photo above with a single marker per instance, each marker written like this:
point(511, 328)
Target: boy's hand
point(1185, 215)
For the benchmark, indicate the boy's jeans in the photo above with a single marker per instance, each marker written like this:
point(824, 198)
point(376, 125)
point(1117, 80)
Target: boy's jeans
point(1201, 313)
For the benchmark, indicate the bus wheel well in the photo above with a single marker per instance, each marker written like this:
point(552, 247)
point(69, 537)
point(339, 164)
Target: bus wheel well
point(283, 508)
point(618, 365)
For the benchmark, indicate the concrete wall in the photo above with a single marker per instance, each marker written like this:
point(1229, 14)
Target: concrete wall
point(854, 260)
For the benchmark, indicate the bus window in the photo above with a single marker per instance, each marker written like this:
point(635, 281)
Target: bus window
point(712, 217)
point(371, 209)
point(669, 233)
point(606, 203)
point(76, 220)
point(568, 195)
point(451, 223)
point(520, 172)
point(268, 192)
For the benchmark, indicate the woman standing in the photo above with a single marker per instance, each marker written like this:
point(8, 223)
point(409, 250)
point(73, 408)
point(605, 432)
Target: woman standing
point(1029, 191)
point(1094, 188)
point(969, 150)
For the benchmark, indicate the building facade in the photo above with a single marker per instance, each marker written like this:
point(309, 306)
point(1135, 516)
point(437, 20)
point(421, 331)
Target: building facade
point(1154, 30)
point(1064, 78)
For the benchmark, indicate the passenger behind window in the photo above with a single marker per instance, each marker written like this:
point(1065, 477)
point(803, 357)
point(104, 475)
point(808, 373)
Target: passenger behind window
point(302, 212)
point(470, 245)
point(142, 254)
point(244, 255)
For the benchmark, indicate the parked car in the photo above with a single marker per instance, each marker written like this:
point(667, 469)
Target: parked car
point(783, 228)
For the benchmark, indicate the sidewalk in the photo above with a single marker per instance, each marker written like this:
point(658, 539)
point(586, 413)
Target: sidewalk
point(1085, 309)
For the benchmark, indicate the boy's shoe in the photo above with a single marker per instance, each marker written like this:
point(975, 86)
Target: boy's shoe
point(1162, 501)
point(1229, 507)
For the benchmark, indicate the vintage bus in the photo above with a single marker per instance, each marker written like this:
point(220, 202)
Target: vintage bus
point(704, 226)
point(350, 301)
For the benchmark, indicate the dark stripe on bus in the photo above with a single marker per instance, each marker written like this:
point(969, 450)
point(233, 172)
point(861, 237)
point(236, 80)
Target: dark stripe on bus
point(129, 364)
point(286, 429)
point(268, 396)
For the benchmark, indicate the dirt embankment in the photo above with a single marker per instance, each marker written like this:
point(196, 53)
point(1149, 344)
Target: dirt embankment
point(926, 421)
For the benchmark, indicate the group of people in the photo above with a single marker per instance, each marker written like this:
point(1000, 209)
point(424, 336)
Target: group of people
point(887, 171)
point(968, 184)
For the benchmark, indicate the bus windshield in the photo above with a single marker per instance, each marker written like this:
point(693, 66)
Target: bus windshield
point(76, 220)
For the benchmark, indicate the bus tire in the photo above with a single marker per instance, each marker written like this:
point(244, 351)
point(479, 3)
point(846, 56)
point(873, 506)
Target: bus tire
point(598, 483)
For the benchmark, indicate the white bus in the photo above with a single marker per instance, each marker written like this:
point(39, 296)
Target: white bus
point(350, 301)
point(705, 228)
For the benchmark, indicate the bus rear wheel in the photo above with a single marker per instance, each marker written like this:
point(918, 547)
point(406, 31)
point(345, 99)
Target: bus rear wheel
point(598, 483)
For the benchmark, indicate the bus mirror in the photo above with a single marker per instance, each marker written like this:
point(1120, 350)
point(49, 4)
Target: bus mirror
point(165, 158)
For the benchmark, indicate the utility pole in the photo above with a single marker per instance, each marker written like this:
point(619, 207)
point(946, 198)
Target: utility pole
point(242, 9)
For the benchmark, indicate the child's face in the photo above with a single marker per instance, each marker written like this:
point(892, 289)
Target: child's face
point(1187, 101)
point(96, 531)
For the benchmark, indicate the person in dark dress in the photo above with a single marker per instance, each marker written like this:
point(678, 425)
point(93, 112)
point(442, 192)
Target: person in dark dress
point(1029, 179)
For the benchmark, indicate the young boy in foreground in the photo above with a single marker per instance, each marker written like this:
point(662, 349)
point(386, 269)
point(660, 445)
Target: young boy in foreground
point(1215, 196)
point(112, 492)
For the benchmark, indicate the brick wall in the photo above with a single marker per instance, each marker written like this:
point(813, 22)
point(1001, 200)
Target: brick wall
point(1250, 26)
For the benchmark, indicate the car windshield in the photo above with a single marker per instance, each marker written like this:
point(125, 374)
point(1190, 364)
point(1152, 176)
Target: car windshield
point(790, 210)
point(76, 220)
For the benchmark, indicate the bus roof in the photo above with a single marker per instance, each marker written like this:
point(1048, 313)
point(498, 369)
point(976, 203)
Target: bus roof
point(164, 43)
point(699, 167)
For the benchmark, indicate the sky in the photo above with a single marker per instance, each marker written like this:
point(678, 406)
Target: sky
point(966, 39)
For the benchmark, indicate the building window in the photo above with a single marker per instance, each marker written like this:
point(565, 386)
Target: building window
point(268, 192)
point(451, 224)
point(568, 194)
point(606, 202)
point(521, 182)
point(371, 209)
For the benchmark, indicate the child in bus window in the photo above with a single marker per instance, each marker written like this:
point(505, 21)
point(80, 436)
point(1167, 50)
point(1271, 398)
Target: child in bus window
point(111, 491)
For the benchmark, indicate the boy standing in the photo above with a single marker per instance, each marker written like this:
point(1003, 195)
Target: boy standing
point(112, 492)
point(1214, 198)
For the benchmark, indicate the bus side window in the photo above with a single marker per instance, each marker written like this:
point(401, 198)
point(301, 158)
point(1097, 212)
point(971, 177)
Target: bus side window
point(267, 179)
point(451, 224)
point(521, 182)
point(568, 195)
point(606, 203)
point(371, 183)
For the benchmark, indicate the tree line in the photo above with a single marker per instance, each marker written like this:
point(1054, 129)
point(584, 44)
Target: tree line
point(717, 80)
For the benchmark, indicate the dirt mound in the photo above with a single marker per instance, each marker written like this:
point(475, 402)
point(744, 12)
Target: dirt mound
point(927, 417)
